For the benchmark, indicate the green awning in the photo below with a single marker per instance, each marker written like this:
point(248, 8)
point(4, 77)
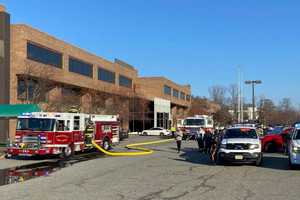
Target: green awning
point(13, 111)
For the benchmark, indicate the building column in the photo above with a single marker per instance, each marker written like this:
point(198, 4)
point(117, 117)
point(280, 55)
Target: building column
point(86, 105)
point(4, 68)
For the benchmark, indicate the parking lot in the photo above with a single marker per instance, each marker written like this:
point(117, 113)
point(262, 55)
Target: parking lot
point(163, 175)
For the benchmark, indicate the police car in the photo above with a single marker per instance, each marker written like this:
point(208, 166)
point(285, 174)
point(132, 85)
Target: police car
point(294, 147)
point(240, 145)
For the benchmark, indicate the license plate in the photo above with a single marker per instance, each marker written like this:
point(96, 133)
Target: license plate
point(25, 154)
point(238, 157)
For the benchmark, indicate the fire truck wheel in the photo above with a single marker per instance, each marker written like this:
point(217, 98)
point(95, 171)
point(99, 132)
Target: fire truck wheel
point(106, 144)
point(67, 152)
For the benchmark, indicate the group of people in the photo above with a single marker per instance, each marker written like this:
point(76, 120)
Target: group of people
point(207, 140)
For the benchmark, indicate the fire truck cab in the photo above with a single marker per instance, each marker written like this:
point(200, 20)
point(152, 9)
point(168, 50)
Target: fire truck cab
point(62, 134)
point(192, 125)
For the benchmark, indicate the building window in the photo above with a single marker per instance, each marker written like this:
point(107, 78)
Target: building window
point(182, 96)
point(106, 75)
point(124, 81)
point(44, 55)
point(188, 97)
point(80, 67)
point(175, 93)
point(29, 90)
point(167, 90)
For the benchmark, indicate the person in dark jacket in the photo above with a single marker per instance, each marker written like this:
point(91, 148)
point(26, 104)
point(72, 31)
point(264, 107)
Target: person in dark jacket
point(207, 141)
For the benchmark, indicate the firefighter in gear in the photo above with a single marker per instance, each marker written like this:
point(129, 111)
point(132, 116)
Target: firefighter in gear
point(89, 134)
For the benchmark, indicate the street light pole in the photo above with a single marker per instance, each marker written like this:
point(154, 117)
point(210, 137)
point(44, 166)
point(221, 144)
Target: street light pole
point(253, 83)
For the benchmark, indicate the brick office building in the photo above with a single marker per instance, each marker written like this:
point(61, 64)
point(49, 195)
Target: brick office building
point(38, 68)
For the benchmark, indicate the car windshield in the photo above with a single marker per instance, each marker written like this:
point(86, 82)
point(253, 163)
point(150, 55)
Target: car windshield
point(194, 122)
point(297, 135)
point(240, 133)
point(35, 124)
point(275, 131)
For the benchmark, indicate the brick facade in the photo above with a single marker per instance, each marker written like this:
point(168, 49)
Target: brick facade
point(113, 97)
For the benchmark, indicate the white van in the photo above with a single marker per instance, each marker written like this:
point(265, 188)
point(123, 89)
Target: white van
point(294, 148)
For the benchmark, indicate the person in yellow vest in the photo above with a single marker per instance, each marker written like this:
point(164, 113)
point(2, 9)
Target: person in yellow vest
point(173, 130)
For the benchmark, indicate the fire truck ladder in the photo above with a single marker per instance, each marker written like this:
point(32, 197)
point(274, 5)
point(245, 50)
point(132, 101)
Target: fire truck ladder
point(141, 150)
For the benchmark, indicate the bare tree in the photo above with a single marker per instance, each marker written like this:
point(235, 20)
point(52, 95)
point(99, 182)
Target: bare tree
point(218, 94)
point(201, 105)
point(34, 83)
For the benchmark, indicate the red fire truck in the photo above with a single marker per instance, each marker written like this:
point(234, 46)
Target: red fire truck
point(63, 134)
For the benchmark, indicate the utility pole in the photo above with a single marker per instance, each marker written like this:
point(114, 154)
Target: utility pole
point(240, 109)
point(253, 83)
point(242, 99)
point(239, 95)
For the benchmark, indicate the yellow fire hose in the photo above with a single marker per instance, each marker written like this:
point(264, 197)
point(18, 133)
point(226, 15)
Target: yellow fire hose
point(142, 151)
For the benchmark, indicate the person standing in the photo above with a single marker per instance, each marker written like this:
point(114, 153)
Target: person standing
point(214, 147)
point(173, 130)
point(178, 138)
point(199, 138)
point(207, 141)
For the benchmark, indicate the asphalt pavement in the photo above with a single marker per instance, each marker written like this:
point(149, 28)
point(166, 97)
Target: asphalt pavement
point(165, 175)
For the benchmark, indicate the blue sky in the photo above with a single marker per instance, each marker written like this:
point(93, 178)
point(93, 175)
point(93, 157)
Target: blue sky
point(189, 41)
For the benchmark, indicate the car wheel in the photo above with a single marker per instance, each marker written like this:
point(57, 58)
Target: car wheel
point(259, 161)
point(270, 147)
point(67, 152)
point(291, 165)
point(106, 145)
point(161, 134)
point(145, 133)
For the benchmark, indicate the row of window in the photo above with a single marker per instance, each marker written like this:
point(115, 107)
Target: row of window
point(50, 57)
point(176, 93)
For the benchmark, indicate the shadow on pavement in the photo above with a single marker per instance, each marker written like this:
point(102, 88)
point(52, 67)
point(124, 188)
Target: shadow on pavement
point(270, 161)
point(275, 161)
point(194, 156)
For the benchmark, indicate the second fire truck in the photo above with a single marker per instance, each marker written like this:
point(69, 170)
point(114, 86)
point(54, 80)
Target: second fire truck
point(192, 125)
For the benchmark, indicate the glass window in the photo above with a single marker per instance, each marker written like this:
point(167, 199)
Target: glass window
point(35, 124)
point(175, 93)
point(167, 90)
point(194, 122)
point(28, 90)
point(124, 81)
point(76, 123)
point(188, 97)
point(182, 96)
point(80, 67)
point(106, 75)
point(44, 55)
point(297, 135)
point(22, 91)
point(240, 133)
point(60, 125)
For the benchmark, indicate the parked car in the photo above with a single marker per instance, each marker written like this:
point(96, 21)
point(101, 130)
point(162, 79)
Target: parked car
point(275, 140)
point(240, 145)
point(156, 132)
point(294, 148)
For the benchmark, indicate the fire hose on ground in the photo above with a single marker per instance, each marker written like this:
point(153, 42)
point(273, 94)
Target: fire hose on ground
point(141, 150)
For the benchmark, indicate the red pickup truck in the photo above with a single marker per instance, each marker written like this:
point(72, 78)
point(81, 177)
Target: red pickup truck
point(275, 140)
